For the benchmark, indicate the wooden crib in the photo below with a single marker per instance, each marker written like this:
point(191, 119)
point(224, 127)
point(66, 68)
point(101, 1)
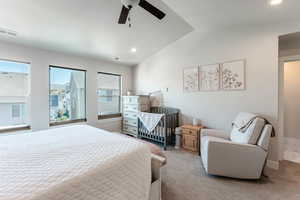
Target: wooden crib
point(164, 132)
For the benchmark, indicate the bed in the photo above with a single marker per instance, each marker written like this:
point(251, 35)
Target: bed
point(75, 163)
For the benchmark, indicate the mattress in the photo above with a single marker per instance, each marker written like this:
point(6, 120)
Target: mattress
point(73, 163)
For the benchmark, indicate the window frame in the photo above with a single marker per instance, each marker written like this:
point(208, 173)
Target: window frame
point(25, 126)
point(49, 94)
point(116, 115)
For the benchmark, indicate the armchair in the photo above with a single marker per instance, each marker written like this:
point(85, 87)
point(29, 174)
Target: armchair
point(231, 155)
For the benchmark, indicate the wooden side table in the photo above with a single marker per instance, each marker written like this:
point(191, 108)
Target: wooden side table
point(191, 138)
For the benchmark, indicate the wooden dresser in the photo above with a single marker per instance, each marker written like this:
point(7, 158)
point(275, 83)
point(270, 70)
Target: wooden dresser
point(131, 106)
point(191, 138)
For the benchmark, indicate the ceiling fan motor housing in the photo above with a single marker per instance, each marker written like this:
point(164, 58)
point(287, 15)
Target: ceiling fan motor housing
point(130, 3)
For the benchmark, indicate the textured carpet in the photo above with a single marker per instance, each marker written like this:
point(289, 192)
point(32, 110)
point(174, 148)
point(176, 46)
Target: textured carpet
point(185, 179)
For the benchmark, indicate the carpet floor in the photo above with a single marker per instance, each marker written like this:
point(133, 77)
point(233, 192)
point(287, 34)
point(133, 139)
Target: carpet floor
point(185, 179)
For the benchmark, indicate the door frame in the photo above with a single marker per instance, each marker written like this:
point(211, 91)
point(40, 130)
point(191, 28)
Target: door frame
point(282, 61)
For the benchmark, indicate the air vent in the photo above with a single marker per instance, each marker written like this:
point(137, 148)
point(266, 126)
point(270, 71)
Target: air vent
point(7, 32)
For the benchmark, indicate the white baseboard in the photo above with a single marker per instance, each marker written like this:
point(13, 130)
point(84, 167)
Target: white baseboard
point(291, 149)
point(273, 164)
point(292, 156)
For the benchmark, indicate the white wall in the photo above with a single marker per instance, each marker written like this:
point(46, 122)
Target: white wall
point(258, 45)
point(40, 61)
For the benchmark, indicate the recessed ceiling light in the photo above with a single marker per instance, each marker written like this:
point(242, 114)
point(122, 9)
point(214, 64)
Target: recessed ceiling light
point(133, 50)
point(275, 2)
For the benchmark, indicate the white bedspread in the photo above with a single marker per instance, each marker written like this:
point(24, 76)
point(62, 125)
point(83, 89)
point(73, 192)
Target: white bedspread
point(73, 163)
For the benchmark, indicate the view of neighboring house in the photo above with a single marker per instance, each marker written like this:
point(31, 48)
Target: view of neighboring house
point(67, 100)
point(14, 95)
point(77, 96)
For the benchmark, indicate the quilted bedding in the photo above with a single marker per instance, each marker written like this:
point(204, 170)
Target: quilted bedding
point(73, 163)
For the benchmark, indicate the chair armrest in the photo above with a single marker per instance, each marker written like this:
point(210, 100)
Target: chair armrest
point(215, 133)
point(235, 160)
point(233, 146)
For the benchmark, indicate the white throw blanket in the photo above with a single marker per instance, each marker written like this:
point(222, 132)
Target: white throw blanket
point(73, 163)
point(150, 120)
point(243, 121)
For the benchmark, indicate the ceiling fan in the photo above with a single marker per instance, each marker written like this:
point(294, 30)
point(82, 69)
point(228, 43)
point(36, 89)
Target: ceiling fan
point(129, 4)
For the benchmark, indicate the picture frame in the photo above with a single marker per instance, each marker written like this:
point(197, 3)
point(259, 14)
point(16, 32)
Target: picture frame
point(191, 79)
point(233, 75)
point(209, 76)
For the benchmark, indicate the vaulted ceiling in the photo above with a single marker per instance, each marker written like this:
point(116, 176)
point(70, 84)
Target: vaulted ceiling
point(90, 28)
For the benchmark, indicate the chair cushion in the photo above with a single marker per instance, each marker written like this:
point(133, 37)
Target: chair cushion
point(251, 135)
point(265, 136)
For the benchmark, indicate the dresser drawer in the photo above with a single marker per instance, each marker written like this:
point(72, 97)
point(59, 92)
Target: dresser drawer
point(130, 129)
point(190, 142)
point(130, 122)
point(190, 132)
point(131, 100)
point(131, 107)
point(131, 115)
point(136, 107)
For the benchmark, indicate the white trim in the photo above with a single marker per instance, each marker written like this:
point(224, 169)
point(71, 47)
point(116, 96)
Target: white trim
point(289, 58)
point(292, 156)
point(273, 164)
point(291, 149)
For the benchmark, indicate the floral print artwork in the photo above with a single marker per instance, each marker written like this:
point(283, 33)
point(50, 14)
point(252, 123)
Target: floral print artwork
point(190, 79)
point(210, 77)
point(233, 75)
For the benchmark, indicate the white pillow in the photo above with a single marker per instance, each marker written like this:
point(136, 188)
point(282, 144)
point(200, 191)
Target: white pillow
point(251, 135)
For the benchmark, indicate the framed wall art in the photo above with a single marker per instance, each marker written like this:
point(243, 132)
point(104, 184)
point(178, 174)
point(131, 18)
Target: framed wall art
point(191, 79)
point(209, 77)
point(233, 75)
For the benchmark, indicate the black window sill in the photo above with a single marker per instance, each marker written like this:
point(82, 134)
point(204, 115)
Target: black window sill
point(100, 117)
point(67, 122)
point(15, 129)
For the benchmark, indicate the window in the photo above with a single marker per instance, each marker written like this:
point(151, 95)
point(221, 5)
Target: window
point(14, 95)
point(67, 95)
point(109, 95)
point(16, 111)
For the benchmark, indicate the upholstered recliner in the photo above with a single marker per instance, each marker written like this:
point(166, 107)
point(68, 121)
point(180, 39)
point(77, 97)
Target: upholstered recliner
point(239, 154)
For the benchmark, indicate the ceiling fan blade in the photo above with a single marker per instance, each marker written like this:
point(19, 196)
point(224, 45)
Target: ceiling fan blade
point(153, 10)
point(124, 15)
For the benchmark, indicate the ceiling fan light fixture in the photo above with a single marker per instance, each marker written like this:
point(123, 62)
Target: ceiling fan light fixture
point(275, 2)
point(127, 5)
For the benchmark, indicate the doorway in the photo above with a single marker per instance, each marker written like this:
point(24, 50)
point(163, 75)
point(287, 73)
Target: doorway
point(291, 110)
point(289, 97)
